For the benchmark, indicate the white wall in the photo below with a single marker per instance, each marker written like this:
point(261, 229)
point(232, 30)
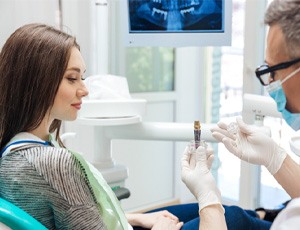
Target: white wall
point(15, 13)
point(77, 20)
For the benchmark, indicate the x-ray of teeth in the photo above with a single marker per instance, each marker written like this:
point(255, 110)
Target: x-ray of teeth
point(176, 15)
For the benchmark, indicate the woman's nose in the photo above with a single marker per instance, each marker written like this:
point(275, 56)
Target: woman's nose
point(83, 91)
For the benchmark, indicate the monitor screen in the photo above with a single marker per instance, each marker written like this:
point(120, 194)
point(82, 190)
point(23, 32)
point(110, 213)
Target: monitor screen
point(176, 22)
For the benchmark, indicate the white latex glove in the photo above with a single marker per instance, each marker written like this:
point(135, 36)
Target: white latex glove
point(198, 177)
point(209, 157)
point(251, 144)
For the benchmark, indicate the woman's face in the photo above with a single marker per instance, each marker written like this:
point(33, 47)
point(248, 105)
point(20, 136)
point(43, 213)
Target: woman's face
point(71, 90)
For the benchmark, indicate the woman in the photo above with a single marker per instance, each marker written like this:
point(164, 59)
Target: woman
point(41, 84)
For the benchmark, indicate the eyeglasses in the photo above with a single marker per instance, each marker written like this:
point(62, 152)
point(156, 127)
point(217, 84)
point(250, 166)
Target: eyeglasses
point(266, 73)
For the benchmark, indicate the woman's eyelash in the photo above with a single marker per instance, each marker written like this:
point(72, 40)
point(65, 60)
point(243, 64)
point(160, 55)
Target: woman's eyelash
point(75, 78)
point(72, 78)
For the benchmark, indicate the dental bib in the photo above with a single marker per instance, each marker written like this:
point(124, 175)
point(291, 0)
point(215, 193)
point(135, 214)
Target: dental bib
point(109, 206)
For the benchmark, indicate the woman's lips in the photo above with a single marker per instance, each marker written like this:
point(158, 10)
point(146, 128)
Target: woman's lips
point(77, 105)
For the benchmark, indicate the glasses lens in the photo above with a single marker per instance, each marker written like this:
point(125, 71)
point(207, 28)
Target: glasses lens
point(266, 78)
point(263, 74)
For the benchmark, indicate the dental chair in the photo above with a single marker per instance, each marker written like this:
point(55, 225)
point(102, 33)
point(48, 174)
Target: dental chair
point(15, 218)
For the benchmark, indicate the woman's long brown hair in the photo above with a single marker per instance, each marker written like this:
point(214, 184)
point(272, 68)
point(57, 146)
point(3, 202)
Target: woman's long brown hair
point(32, 64)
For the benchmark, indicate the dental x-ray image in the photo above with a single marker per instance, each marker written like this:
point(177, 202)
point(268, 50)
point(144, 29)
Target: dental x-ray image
point(176, 15)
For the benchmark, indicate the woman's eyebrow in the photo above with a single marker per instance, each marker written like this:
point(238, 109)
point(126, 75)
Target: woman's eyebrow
point(75, 69)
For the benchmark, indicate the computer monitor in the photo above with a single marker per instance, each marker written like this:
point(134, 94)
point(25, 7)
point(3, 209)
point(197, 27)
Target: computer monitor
point(176, 23)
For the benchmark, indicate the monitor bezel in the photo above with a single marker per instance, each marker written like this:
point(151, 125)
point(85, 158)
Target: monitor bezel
point(175, 39)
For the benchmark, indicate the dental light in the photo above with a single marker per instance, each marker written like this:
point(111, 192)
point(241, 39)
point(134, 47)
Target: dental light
point(256, 107)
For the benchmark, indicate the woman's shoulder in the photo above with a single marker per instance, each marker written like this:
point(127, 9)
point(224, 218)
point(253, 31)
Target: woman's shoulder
point(59, 167)
point(40, 155)
point(51, 162)
point(48, 158)
point(48, 154)
point(45, 160)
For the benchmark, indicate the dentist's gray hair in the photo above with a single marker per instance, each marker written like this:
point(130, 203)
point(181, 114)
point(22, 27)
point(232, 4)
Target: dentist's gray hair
point(286, 14)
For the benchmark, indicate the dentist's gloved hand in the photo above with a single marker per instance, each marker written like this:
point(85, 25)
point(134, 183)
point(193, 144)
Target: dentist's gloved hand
point(250, 144)
point(198, 178)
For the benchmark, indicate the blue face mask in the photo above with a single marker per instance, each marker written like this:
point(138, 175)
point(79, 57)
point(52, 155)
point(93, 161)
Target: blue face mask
point(276, 92)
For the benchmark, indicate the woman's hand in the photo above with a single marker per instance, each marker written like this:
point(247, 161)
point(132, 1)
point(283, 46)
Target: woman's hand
point(155, 220)
point(164, 223)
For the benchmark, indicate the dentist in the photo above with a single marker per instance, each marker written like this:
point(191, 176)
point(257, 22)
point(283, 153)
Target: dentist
point(281, 76)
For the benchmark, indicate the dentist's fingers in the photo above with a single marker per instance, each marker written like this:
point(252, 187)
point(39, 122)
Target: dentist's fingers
point(218, 136)
point(243, 127)
point(232, 147)
point(217, 129)
point(209, 157)
point(210, 160)
point(185, 159)
point(209, 152)
point(200, 154)
point(222, 125)
point(222, 131)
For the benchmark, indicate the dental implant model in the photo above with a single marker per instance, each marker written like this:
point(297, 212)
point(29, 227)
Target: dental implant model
point(197, 133)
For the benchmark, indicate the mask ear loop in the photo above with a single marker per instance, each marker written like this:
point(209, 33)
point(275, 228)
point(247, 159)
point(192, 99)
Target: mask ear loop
point(284, 80)
point(290, 75)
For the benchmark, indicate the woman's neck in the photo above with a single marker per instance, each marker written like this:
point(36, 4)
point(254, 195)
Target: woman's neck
point(42, 131)
point(43, 136)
